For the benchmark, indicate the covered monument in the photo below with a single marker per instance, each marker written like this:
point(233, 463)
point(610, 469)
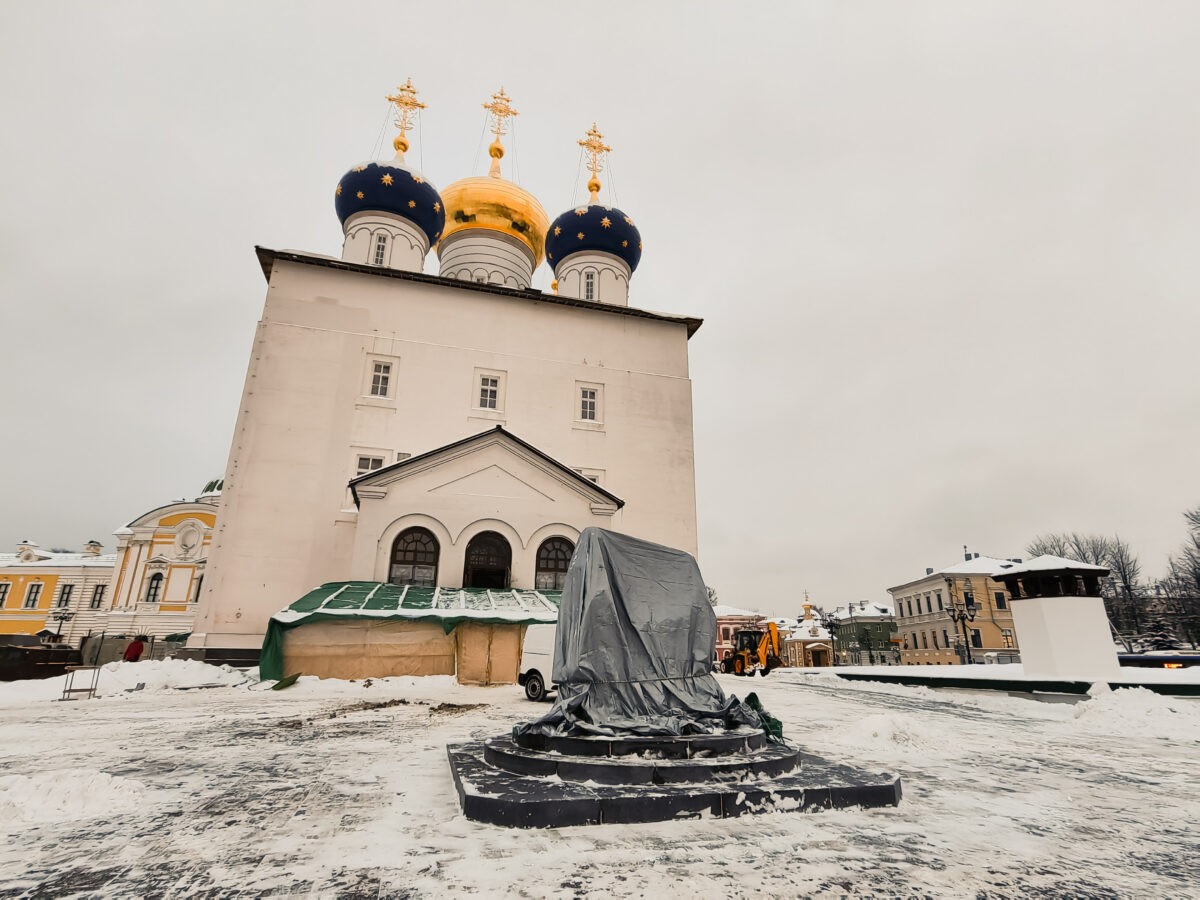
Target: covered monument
point(641, 730)
point(633, 649)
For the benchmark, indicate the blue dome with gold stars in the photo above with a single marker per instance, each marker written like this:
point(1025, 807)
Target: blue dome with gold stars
point(393, 188)
point(594, 228)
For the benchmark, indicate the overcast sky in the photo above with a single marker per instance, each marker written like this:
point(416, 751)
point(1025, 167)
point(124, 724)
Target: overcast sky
point(947, 253)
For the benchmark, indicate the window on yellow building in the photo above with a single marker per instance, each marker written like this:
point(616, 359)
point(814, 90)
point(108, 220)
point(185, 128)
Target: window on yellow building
point(1006, 637)
point(4, 588)
point(32, 595)
point(1001, 603)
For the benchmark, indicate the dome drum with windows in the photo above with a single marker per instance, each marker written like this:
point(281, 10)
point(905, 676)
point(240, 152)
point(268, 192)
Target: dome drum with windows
point(594, 248)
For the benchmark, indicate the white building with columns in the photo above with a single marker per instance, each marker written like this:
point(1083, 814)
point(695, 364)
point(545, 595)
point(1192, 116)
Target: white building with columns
point(451, 430)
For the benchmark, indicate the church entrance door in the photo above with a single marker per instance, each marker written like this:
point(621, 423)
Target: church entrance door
point(489, 562)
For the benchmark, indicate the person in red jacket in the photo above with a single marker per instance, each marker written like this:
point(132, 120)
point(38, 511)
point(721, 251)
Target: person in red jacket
point(134, 651)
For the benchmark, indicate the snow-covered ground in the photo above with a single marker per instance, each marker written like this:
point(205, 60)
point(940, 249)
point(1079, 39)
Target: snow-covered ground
point(339, 789)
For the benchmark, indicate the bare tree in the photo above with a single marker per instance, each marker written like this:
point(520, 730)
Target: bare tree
point(1085, 548)
point(1124, 565)
point(1094, 549)
point(1049, 545)
point(1126, 600)
point(1182, 584)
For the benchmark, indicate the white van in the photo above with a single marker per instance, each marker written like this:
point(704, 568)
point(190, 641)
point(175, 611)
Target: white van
point(537, 658)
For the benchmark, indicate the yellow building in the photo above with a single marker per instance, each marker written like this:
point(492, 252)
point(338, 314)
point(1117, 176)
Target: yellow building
point(931, 635)
point(45, 590)
point(159, 569)
point(148, 586)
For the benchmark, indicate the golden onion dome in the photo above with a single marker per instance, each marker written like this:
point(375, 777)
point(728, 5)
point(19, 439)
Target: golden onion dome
point(496, 204)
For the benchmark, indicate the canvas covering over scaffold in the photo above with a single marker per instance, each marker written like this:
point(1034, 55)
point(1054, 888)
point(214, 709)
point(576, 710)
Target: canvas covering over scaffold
point(366, 629)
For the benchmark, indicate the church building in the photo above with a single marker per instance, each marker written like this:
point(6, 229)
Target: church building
point(456, 430)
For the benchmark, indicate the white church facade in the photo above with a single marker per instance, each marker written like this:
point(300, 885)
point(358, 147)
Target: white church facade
point(450, 430)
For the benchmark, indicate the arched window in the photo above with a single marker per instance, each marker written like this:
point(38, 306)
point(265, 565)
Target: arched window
point(553, 559)
point(414, 558)
point(489, 561)
point(154, 588)
point(380, 248)
point(589, 285)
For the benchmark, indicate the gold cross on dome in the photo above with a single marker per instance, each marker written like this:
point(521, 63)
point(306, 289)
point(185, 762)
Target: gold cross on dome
point(406, 103)
point(593, 145)
point(501, 111)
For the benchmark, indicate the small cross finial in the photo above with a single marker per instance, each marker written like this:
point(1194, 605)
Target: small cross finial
point(406, 103)
point(500, 110)
point(593, 145)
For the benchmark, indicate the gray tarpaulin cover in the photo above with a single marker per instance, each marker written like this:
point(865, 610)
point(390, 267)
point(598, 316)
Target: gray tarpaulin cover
point(634, 646)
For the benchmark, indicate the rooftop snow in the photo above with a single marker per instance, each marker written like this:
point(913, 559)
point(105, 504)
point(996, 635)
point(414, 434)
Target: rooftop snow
point(375, 599)
point(50, 560)
point(1046, 564)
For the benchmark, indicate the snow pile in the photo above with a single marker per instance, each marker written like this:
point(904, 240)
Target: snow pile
point(66, 795)
point(118, 677)
point(1140, 712)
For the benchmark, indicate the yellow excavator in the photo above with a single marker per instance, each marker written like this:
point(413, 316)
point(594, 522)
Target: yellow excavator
point(754, 650)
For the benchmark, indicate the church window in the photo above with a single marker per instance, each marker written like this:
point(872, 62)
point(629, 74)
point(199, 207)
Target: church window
point(5, 586)
point(381, 378)
point(589, 286)
point(589, 405)
point(380, 248)
point(368, 464)
point(414, 558)
point(154, 588)
point(553, 559)
point(98, 595)
point(64, 594)
point(32, 595)
point(489, 391)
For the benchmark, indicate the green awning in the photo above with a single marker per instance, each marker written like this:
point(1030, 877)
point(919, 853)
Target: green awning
point(372, 600)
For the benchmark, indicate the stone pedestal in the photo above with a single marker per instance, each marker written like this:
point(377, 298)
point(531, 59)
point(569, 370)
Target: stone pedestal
point(1065, 638)
point(535, 782)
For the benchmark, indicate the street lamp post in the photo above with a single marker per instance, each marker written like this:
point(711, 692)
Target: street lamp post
point(60, 616)
point(963, 612)
point(831, 622)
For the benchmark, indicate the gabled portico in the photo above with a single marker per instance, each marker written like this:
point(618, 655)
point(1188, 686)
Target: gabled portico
point(474, 513)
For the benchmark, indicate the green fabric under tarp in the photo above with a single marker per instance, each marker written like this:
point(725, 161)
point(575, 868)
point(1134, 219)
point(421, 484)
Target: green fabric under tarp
point(375, 601)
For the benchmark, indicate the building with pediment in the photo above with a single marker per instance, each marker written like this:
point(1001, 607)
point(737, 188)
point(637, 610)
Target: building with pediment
point(456, 430)
point(149, 586)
